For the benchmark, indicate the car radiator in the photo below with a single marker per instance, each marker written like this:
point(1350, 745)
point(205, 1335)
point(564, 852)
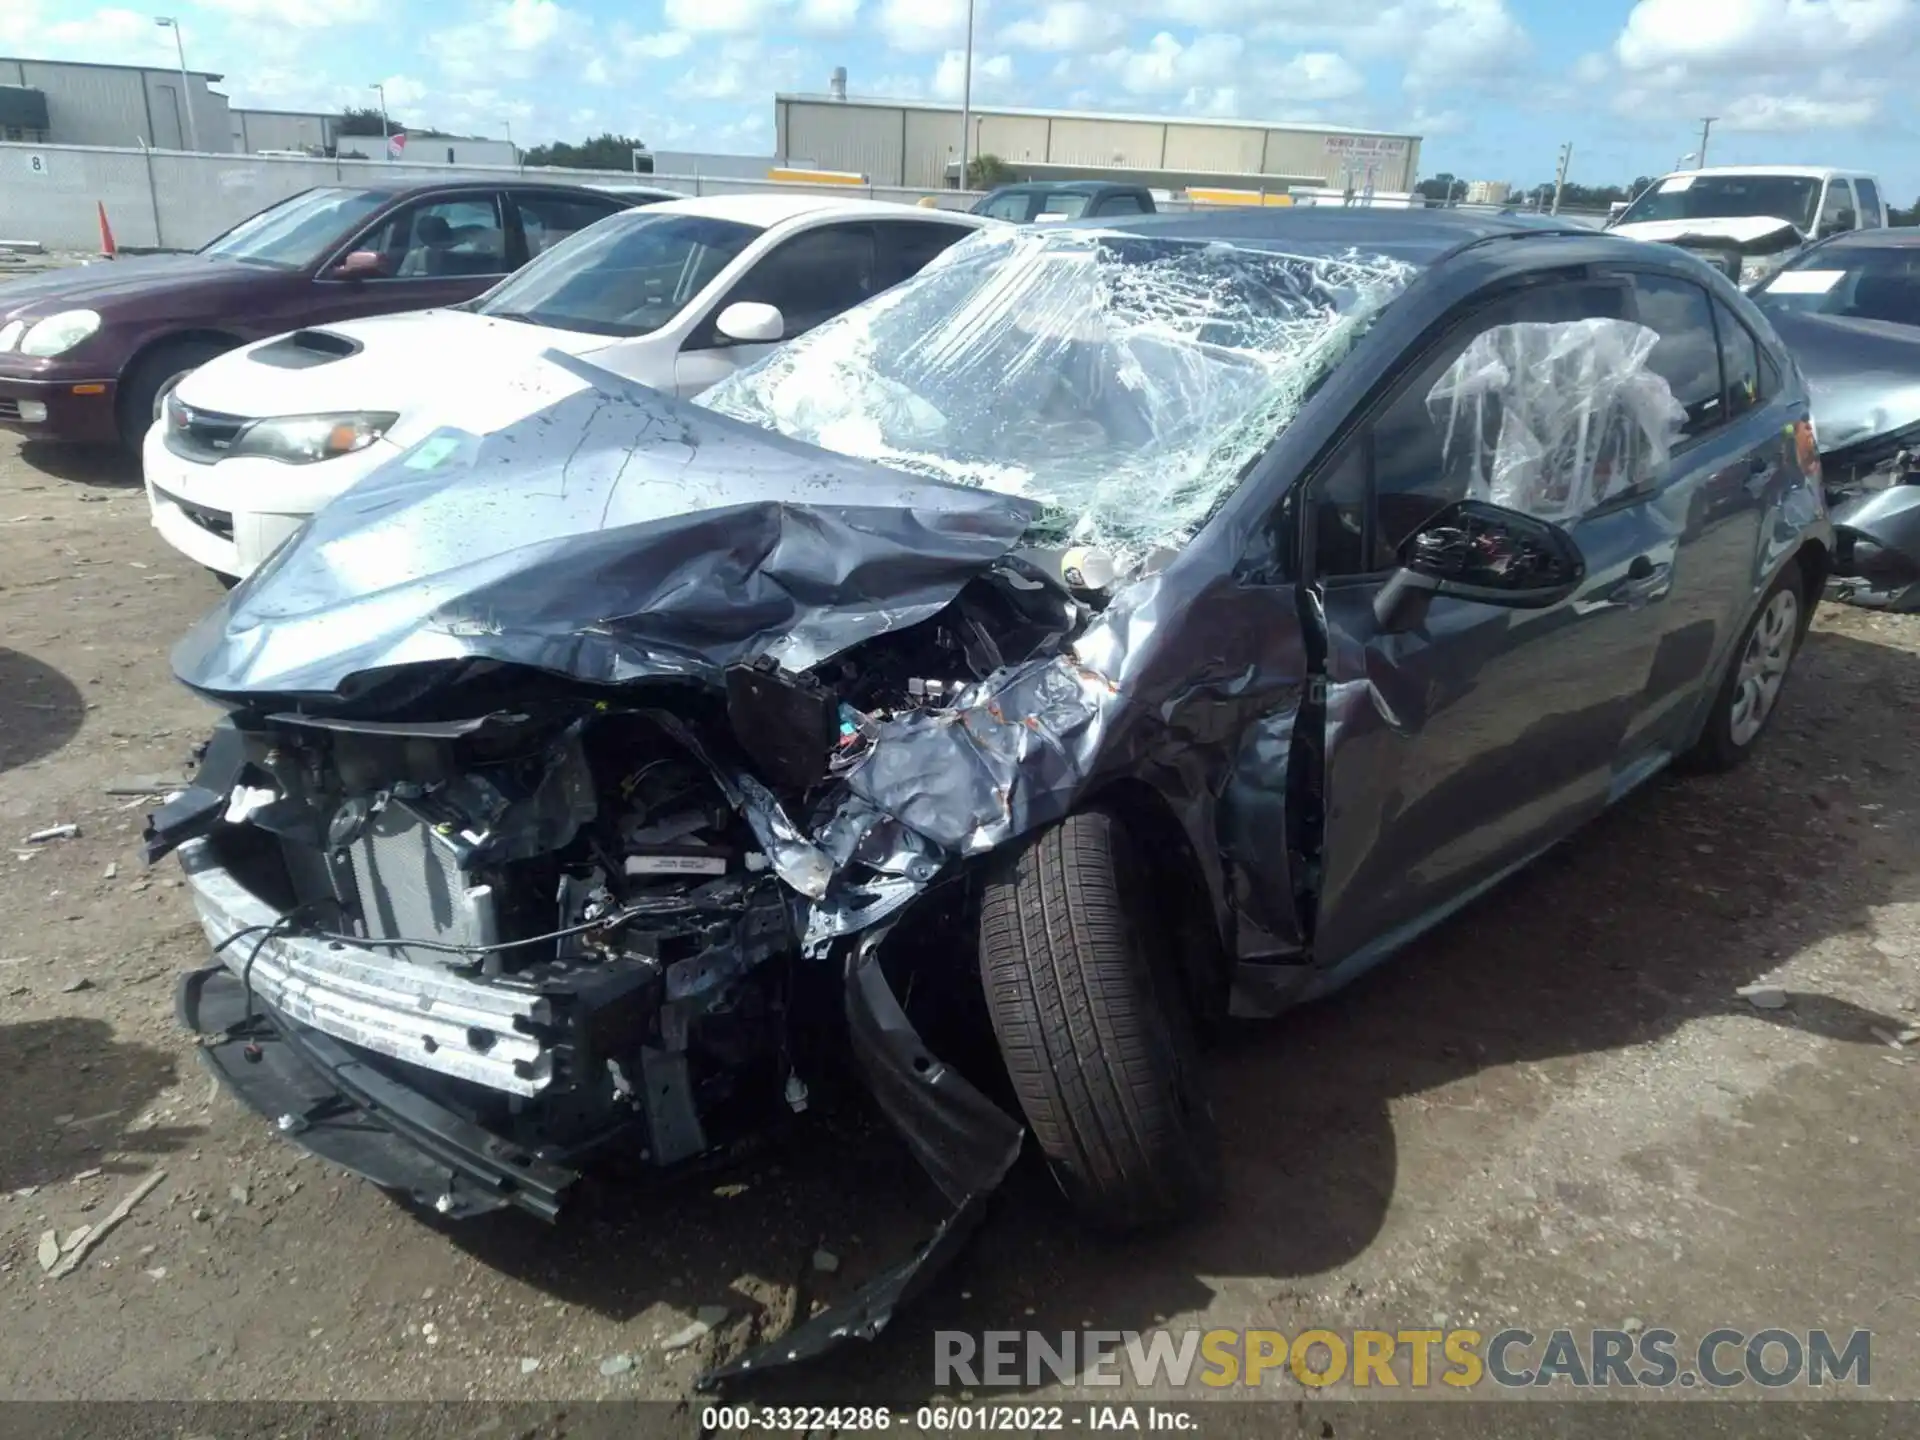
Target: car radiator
point(401, 879)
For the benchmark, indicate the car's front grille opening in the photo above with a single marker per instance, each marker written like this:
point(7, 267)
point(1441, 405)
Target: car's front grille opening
point(9, 409)
point(214, 522)
point(203, 435)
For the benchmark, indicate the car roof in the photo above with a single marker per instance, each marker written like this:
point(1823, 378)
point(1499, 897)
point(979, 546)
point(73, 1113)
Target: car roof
point(1083, 187)
point(1814, 172)
point(768, 210)
point(1419, 237)
point(1895, 237)
point(408, 186)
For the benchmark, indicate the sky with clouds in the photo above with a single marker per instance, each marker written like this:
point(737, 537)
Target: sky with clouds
point(1495, 86)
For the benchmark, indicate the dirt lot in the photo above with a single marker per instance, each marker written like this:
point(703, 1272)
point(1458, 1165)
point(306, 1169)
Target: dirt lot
point(1555, 1112)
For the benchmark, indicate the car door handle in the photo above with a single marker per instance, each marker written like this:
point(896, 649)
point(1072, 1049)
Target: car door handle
point(1759, 474)
point(1645, 580)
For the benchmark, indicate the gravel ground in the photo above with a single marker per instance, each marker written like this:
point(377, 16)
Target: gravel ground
point(1556, 1111)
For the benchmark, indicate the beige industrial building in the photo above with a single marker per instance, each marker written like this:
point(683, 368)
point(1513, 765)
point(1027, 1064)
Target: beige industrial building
point(911, 143)
point(65, 102)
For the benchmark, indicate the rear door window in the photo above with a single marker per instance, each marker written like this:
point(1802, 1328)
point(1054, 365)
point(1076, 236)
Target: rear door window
point(1122, 205)
point(547, 219)
point(1688, 354)
point(1869, 194)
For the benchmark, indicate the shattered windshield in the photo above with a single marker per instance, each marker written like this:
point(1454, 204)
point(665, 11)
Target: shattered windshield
point(1718, 197)
point(1125, 382)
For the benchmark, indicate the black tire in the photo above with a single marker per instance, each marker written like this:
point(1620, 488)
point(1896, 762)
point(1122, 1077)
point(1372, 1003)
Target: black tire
point(1727, 740)
point(151, 377)
point(1093, 1026)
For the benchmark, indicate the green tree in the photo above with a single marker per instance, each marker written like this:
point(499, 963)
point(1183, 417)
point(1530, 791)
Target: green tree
point(1439, 187)
point(603, 152)
point(984, 172)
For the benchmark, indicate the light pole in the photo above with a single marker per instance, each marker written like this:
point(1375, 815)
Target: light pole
point(167, 22)
point(386, 152)
point(1705, 126)
point(966, 100)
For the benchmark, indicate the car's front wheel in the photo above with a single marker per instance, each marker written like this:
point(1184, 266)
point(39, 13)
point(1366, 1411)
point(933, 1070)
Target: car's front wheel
point(1750, 693)
point(1093, 1025)
point(144, 391)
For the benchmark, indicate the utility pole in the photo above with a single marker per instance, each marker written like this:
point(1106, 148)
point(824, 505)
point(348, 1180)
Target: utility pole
point(966, 100)
point(1560, 180)
point(167, 22)
point(381, 90)
point(1705, 126)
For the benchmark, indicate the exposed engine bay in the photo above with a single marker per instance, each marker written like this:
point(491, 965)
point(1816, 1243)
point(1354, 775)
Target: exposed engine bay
point(583, 925)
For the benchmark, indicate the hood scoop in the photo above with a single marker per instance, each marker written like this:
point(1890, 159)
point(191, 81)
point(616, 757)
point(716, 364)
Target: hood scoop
point(304, 349)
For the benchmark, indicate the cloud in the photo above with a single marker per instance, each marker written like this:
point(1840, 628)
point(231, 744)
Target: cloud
point(922, 25)
point(992, 75)
point(1166, 66)
point(1786, 113)
point(664, 45)
point(1776, 34)
point(298, 14)
point(1074, 25)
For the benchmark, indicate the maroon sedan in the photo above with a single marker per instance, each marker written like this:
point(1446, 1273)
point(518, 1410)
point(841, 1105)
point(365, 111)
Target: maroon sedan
point(88, 354)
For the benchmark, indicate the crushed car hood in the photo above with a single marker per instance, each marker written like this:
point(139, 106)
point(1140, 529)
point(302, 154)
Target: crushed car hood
point(1863, 375)
point(1727, 229)
point(614, 535)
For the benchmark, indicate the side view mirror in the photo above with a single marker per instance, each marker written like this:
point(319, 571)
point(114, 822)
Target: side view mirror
point(360, 265)
point(751, 323)
point(1475, 551)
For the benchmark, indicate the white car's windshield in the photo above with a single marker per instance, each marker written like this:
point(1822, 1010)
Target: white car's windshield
point(298, 231)
point(1715, 197)
point(1125, 382)
point(1855, 282)
point(628, 275)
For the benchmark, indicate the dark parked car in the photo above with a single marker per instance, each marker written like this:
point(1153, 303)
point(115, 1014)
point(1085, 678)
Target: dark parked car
point(1097, 629)
point(87, 354)
point(1065, 200)
point(1849, 309)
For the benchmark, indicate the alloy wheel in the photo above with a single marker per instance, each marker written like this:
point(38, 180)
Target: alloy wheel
point(1763, 669)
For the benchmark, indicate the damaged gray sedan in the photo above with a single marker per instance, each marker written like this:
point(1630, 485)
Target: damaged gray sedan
point(1127, 627)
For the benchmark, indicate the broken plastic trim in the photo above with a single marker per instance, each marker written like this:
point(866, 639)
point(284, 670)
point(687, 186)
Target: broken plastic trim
point(965, 1142)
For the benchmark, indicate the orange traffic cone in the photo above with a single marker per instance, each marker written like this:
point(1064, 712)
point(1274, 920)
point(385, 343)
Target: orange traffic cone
point(107, 247)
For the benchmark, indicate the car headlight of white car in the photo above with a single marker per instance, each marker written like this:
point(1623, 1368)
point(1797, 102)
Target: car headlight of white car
point(1755, 268)
point(58, 334)
point(303, 439)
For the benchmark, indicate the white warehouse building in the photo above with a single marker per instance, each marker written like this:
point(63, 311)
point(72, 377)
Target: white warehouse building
point(915, 143)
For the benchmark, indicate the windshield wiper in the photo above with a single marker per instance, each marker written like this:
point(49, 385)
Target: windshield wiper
point(524, 317)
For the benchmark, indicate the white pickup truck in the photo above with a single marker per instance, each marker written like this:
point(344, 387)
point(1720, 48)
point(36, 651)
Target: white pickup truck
point(1748, 219)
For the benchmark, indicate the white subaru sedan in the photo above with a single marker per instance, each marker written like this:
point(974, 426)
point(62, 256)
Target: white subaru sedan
point(675, 296)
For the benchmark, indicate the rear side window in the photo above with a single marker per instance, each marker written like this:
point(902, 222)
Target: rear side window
point(1740, 362)
point(1688, 355)
point(1869, 194)
point(1062, 205)
point(1122, 205)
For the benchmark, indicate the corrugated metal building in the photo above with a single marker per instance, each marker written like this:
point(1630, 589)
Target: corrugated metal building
point(907, 142)
point(88, 104)
point(257, 130)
